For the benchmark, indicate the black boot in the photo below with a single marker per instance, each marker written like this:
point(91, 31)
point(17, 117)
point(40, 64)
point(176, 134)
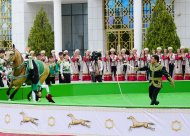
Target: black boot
point(154, 102)
point(29, 96)
point(49, 98)
point(157, 102)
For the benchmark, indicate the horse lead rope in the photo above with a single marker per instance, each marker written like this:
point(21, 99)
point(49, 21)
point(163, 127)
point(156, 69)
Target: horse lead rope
point(124, 98)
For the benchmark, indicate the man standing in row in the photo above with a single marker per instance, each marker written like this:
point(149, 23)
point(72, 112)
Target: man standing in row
point(96, 67)
point(171, 61)
point(65, 69)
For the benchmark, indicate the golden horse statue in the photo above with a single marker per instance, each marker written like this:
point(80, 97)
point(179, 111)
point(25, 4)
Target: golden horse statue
point(28, 119)
point(137, 124)
point(75, 121)
point(12, 55)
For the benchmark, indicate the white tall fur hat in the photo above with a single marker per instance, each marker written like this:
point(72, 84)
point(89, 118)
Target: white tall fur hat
point(112, 50)
point(170, 48)
point(123, 50)
point(159, 48)
point(43, 51)
point(77, 50)
point(134, 49)
point(65, 51)
point(52, 51)
point(146, 49)
point(32, 52)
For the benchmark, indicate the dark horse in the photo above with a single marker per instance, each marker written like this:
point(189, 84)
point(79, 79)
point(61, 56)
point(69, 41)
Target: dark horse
point(20, 70)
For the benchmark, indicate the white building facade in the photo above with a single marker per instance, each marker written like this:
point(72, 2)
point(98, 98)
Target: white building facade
point(82, 23)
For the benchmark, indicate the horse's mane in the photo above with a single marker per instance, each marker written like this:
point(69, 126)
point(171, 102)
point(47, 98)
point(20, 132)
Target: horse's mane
point(20, 55)
point(18, 63)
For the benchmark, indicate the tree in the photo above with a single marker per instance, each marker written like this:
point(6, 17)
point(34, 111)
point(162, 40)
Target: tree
point(41, 36)
point(162, 30)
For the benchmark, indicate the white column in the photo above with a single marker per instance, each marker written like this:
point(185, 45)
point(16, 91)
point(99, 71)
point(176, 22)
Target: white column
point(18, 24)
point(96, 41)
point(57, 26)
point(138, 25)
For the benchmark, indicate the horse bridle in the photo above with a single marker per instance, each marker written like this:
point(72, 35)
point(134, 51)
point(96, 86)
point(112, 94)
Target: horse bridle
point(17, 67)
point(23, 64)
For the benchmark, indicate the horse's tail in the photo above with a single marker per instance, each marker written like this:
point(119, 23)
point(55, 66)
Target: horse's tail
point(150, 123)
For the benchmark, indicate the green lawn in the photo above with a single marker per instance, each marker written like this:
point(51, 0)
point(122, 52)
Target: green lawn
point(141, 100)
point(135, 94)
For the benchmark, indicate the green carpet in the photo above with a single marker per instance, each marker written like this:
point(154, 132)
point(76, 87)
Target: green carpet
point(141, 100)
point(135, 94)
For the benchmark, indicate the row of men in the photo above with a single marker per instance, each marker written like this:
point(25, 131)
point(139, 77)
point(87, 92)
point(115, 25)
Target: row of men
point(112, 67)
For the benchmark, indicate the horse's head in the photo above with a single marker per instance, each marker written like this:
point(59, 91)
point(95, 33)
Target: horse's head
point(70, 115)
point(10, 54)
point(131, 117)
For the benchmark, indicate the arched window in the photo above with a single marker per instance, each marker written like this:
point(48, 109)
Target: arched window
point(5, 20)
point(118, 14)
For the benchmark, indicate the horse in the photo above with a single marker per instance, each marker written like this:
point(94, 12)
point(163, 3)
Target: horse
point(137, 124)
point(12, 55)
point(75, 121)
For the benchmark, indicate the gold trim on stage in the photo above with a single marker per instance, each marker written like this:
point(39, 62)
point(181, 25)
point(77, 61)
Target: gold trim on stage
point(7, 118)
point(176, 125)
point(109, 124)
point(51, 121)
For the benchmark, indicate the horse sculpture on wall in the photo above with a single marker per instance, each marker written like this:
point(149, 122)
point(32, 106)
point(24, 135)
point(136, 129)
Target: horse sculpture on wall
point(12, 55)
point(75, 121)
point(137, 124)
point(26, 119)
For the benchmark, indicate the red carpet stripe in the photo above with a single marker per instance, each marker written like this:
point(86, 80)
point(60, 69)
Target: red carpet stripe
point(12, 134)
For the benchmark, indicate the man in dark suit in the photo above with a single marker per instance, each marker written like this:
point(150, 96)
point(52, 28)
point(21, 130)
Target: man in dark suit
point(156, 71)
